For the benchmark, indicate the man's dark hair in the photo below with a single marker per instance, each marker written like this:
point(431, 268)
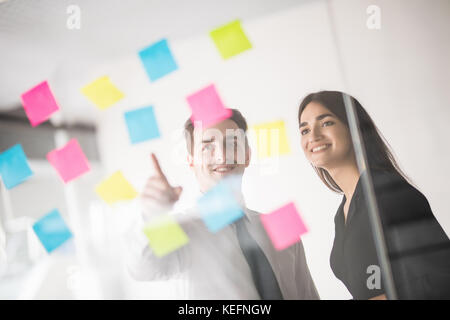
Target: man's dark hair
point(236, 116)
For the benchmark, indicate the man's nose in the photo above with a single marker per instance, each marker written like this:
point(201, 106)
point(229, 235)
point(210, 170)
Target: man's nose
point(220, 154)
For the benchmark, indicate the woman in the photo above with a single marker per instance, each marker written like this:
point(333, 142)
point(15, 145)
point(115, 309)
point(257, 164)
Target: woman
point(418, 248)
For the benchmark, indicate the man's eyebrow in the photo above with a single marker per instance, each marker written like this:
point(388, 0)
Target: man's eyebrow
point(208, 140)
point(317, 118)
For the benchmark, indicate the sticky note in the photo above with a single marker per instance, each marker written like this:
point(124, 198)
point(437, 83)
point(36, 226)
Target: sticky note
point(14, 167)
point(218, 207)
point(52, 231)
point(284, 226)
point(39, 103)
point(207, 107)
point(165, 235)
point(69, 161)
point(230, 39)
point(271, 139)
point(116, 188)
point(142, 125)
point(102, 92)
point(158, 60)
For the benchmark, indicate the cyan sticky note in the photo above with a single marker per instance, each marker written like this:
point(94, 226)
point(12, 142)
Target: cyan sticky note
point(14, 167)
point(158, 60)
point(218, 207)
point(230, 39)
point(165, 235)
point(69, 161)
point(142, 125)
point(39, 103)
point(284, 226)
point(52, 231)
point(207, 107)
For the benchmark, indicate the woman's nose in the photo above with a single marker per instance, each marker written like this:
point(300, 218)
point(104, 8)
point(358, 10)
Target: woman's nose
point(315, 134)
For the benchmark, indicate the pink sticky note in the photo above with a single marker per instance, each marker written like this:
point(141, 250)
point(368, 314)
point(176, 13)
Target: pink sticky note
point(39, 103)
point(69, 161)
point(284, 226)
point(207, 107)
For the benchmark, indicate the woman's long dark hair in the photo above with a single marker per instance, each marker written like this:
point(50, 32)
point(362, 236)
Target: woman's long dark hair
point(379, 155)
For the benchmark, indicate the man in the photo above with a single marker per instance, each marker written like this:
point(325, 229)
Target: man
point(236, 262)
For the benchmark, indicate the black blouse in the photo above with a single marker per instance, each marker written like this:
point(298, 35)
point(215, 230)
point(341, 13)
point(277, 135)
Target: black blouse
point(418, 248)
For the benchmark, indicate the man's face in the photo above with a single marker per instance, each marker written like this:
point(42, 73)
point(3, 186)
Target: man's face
point(218, 151)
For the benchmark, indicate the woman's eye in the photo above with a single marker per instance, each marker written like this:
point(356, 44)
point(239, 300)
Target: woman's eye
point(328, 123)
point(303, 132)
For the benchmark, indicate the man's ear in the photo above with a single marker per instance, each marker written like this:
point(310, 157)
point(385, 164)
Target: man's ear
point(248, 156)
point(190, 160)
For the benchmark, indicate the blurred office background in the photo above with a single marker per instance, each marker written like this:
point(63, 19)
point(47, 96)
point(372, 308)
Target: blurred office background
point(400, 73)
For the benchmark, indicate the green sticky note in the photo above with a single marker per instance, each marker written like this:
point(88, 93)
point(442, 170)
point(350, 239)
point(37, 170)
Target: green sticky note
point(230, 39)
point(165, 235)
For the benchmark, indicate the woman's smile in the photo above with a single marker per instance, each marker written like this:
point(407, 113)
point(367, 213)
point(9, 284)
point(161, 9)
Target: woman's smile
point(320, 148)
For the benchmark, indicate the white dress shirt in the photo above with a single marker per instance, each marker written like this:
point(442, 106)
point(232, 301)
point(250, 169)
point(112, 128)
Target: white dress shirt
point(213, 266)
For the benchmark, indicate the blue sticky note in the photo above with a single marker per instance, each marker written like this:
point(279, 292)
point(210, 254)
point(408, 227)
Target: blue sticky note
point(142, 124)
point(14, 167)
point(158, 60)
point(218, 207)
point(52, 231)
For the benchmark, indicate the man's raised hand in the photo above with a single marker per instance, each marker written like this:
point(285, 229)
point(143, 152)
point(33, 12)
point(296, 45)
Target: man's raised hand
point(158, 194)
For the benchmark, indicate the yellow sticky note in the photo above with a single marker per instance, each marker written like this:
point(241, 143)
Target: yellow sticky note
point(102, 92)
point(271, 139)
point(230, 39)
point(116, 188)
point(165, 235)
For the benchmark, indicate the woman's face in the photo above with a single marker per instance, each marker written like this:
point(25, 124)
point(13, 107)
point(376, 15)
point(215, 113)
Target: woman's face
point(325, 140)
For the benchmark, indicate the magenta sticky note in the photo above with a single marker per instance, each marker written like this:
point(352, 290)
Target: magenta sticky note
point(39, 103)
point(207, 107)
point(284, 226)
point(69, 161)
